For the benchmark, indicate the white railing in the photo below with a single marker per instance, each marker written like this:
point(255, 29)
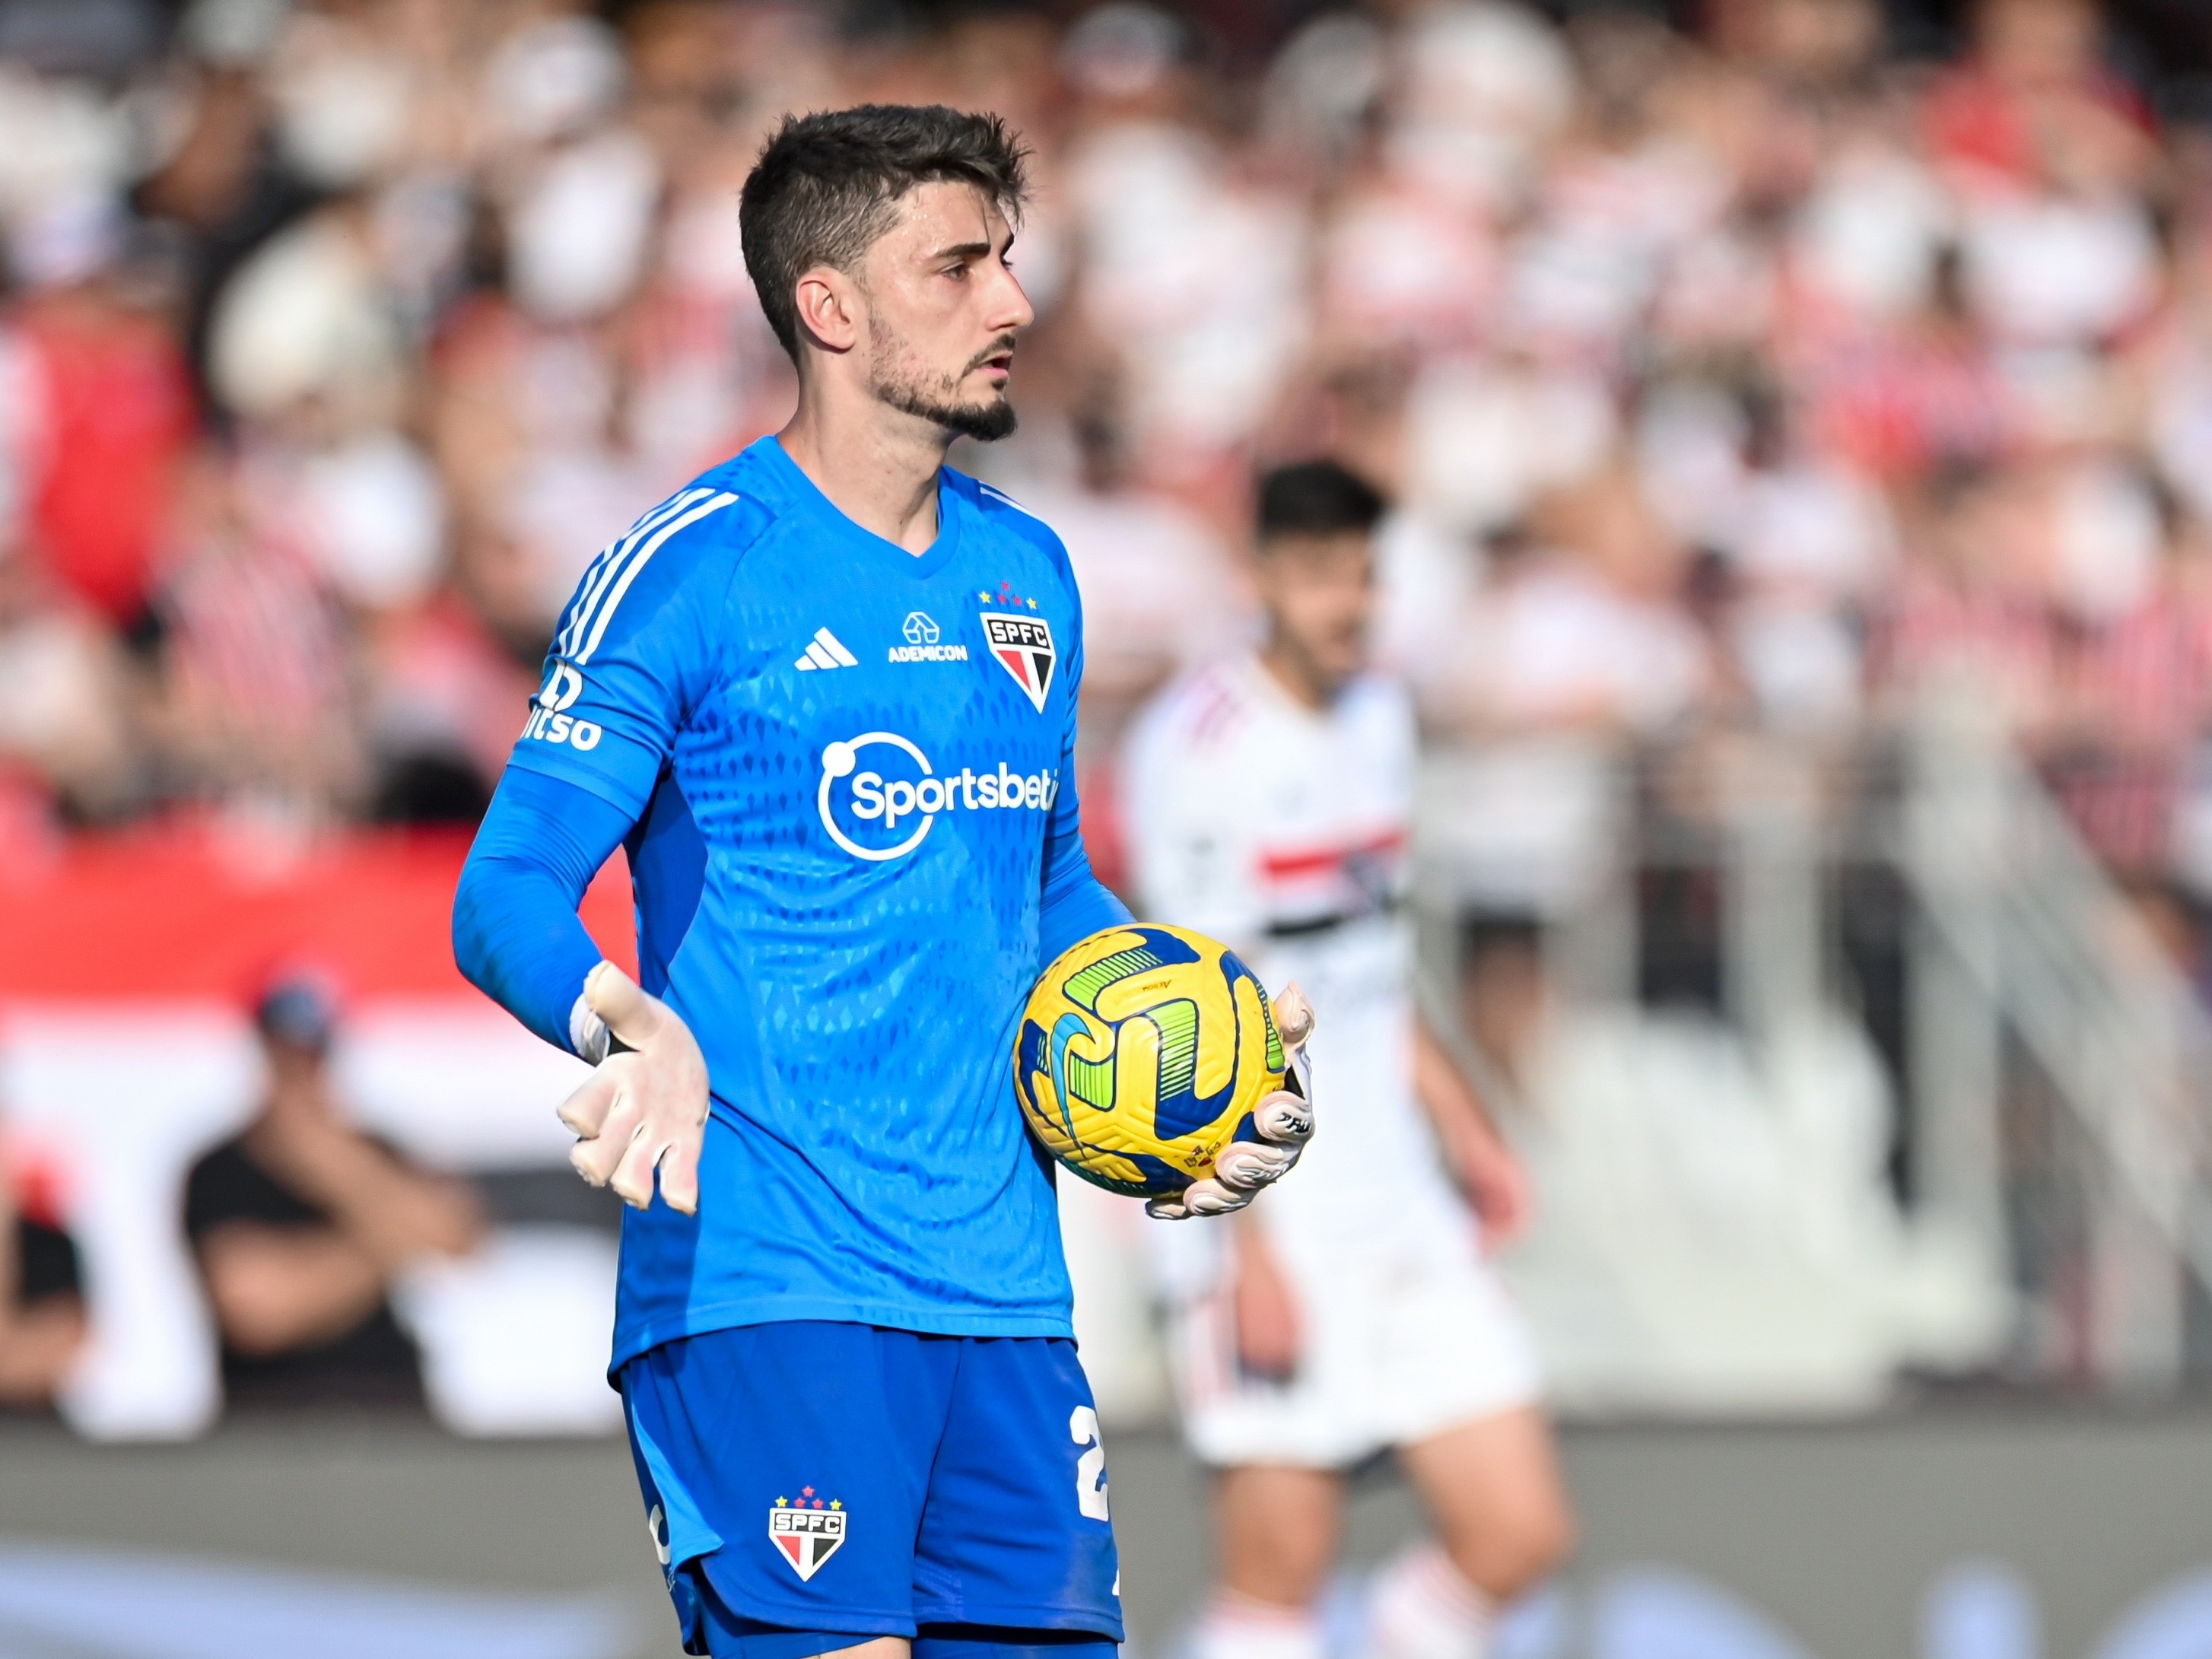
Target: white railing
point(2033, 941)
point(2056, 1074)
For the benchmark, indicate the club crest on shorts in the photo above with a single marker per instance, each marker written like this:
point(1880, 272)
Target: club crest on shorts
point(1024, 647)
point(808, 1532)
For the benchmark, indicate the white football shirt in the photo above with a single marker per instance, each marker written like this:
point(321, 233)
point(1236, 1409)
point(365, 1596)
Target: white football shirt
point(1284, 832)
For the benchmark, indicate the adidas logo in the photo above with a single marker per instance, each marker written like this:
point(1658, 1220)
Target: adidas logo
point(826, 650)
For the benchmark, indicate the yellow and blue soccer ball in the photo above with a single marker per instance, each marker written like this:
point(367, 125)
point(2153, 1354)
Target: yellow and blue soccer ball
point(1142, 1052)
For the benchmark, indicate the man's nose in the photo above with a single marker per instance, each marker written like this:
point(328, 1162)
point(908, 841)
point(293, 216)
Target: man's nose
point(1009, 308)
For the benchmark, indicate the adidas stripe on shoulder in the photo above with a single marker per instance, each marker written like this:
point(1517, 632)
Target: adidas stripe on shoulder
point(609, 576)
point(1031, 529)
point(1005, 499)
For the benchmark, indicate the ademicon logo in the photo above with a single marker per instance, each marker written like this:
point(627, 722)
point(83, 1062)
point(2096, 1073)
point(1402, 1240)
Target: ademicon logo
point(889, 782)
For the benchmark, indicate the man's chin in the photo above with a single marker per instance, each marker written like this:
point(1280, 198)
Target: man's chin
point(987, 420)
point(986, 423)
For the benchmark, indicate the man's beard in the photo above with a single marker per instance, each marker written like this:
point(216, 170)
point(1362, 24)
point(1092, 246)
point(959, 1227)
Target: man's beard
point(933, 398)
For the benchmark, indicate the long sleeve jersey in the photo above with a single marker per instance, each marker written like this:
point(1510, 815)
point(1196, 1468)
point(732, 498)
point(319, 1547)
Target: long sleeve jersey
point(842, 774)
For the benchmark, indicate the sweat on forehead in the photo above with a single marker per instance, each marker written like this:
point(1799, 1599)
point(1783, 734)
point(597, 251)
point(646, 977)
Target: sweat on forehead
point(828, 185)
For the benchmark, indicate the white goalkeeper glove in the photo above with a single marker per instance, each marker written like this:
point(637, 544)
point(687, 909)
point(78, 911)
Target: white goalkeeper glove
point(644, 1107)
point(1283, 1121)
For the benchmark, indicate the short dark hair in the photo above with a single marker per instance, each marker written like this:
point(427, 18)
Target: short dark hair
point(1317, 498)
point(825, 185)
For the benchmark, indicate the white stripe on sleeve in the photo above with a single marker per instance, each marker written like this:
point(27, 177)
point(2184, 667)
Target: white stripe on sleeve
point(609, 561)
point(644, 556)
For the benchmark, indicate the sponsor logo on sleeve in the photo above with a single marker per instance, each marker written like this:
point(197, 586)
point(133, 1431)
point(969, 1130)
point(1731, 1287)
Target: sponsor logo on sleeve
point(550, 722)
point(809, 1532)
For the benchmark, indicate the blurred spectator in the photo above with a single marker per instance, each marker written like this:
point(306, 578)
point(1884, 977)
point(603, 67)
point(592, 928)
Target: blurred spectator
point(64, 729)
point(42, 1320)
point(2034, 104)
point(2134, 669)
point(97, 410)
point(257, 695)
point(301, 1224)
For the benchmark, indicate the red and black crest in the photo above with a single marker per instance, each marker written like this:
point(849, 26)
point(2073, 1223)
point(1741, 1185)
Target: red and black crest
point(808, 1532)
point(1024, 646)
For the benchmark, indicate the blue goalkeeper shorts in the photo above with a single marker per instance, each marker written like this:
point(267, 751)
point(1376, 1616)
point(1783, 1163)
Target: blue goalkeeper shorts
point(811, 1485)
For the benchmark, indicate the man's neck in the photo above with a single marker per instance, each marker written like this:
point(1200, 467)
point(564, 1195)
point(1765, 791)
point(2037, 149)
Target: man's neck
point(876, 465)
point(1297, 678)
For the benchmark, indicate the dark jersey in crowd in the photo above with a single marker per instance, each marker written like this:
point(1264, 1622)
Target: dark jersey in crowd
point(372, 1363)
point(47, 1269)
point(46, 1263)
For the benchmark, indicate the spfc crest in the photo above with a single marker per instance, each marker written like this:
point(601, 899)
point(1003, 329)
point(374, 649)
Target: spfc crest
point(808, 1532)
point(1024, 646)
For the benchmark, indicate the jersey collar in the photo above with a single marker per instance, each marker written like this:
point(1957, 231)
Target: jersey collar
point(803, 491)
point(1264, 687)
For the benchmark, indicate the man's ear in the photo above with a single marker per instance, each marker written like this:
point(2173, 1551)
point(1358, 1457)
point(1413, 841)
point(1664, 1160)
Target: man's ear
point(830, 308)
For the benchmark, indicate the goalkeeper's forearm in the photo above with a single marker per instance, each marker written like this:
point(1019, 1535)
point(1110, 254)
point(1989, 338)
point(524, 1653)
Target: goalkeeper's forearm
point(516, 936)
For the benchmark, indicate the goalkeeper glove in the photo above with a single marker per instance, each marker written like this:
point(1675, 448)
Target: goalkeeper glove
point(1283, 1122)
point(644, 1107)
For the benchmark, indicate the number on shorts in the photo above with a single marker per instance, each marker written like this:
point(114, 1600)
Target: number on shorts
point(1091, 1467)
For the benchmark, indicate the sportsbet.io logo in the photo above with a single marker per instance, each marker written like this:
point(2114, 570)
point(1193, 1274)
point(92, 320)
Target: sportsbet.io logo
point(888, 783)
point(548, 724)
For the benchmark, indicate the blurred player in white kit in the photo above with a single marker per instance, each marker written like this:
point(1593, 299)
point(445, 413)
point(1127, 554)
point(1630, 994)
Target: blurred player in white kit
point(1269, 803)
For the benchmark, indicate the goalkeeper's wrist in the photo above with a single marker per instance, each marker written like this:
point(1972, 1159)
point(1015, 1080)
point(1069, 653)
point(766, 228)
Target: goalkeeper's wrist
point(587, 1033)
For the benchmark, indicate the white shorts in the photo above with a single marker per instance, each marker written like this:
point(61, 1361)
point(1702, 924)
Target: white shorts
point(1395, 1353)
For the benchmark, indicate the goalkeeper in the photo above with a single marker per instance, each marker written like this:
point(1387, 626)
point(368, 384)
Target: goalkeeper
point(824, 698)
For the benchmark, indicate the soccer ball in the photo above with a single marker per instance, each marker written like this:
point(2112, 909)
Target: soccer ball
point(1142, 1052)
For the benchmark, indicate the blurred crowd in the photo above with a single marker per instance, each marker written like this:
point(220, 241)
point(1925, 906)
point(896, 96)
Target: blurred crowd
point(1737, 379)
point(1737, 371)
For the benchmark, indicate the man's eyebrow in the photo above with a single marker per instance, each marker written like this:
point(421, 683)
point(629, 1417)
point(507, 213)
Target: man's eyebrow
point(963, 251)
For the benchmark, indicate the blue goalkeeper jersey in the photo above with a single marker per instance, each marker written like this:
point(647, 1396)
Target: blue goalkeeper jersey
point(844, 763)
